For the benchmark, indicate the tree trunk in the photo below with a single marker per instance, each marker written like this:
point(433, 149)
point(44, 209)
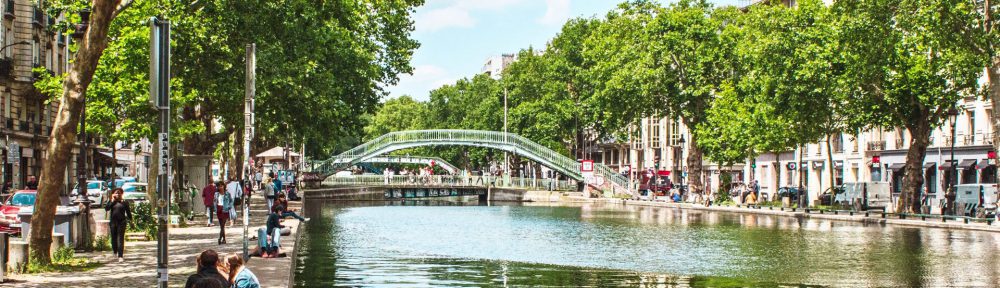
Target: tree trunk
point(63, 135)
point(694, 166)
point(913, 180)
point(829, 160)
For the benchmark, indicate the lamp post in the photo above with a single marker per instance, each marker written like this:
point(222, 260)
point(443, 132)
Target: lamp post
point(953, 171)
point(13, 44)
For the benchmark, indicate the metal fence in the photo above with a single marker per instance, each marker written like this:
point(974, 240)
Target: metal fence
point(451, 181)
point(491, 139)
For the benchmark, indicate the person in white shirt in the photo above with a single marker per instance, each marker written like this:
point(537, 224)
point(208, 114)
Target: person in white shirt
point(236, 192)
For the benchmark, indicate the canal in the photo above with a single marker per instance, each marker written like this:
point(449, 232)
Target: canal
point(444, 244)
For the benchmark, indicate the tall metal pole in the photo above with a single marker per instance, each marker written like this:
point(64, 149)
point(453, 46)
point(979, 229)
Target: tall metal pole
point(160, 90)
point(248, 116)
point(954, 166)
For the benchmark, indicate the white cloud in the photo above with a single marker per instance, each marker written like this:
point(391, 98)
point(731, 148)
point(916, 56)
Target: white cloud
point(443, 14)
point(424, 79)
point(447, 17)
point(556, 12)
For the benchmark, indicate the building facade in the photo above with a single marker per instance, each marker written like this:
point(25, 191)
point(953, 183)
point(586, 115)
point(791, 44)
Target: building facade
point(27, 41)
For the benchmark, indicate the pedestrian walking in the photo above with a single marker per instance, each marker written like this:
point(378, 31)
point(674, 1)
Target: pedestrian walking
point(224, 206)
point(269, 193)
point(235, 193)
point(258, 178)
point(278, 187)
point(208, 198)
point(120, 212)
point(239, 275)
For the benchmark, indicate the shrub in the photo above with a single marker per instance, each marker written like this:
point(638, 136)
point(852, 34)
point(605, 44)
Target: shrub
point(102, 243)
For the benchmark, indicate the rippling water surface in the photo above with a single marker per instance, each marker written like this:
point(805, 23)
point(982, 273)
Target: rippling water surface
point(448, 244)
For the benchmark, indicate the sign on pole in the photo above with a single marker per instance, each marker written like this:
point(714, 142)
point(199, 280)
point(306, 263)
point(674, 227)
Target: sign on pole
point(587, 169)
point(159, 89)
point(248, 124)
point(13, 153)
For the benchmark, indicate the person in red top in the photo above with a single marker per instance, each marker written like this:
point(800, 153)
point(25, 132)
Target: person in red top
point(208, 197)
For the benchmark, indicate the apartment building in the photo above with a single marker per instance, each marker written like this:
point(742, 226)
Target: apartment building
point(27, 40)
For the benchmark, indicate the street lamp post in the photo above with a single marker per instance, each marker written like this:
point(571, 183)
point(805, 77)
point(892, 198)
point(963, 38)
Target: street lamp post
point(953, 172)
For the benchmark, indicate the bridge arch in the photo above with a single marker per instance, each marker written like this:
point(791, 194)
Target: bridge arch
point(489, 139)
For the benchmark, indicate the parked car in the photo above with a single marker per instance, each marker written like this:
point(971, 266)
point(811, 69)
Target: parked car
point(135, 191)
point(11, 206)
point(97, 192)
point(791, 192)
point(827, 198)
point(120, 182)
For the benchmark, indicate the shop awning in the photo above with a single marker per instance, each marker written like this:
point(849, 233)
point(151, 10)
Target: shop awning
point(945, 165)
point(896, 166)
point(928, 165)
point(122, 159)
point(967, 164)
point(663, 173)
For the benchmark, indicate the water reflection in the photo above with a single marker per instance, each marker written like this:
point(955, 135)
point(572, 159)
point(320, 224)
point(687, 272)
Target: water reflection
point(463, 244)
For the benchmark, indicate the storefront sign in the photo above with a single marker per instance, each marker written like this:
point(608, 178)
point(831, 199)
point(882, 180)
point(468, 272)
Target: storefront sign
point(14, 153)
point(791, 166)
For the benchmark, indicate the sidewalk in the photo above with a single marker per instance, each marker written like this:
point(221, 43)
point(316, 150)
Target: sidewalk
point(139, 268)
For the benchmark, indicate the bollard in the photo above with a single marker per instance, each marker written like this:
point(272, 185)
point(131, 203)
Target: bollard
point(966, 220)
point(866, 213)
point(923, 218)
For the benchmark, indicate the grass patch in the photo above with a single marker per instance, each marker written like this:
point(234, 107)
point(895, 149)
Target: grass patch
point(102, 243)
point(63, 260)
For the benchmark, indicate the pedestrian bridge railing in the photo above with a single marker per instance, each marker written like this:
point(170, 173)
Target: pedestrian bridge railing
point(451, 181)
point(490, 139)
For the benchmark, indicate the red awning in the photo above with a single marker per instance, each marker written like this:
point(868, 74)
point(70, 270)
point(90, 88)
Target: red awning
point(663, 173)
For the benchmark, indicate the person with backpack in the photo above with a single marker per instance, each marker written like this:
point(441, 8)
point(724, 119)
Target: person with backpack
point(224, 206)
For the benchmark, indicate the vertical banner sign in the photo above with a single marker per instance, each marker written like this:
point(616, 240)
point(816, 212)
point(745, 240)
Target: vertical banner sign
point(248, 117)
point(587, 169)
point(159, 89)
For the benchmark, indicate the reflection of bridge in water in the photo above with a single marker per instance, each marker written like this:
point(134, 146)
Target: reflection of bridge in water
point(603, 178)
point(422, 186)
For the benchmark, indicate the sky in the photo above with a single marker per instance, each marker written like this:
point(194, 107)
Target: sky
point(457, 36)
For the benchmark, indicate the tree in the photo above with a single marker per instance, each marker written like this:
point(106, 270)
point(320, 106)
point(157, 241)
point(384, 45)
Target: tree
point(398, 114)
point(88, 53)
point(907, 65)
point(786, 93)
point(656, 61)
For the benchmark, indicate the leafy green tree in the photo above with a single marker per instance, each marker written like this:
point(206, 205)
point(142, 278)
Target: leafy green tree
point(907, 66)
point(398, 114)
point(662, 61)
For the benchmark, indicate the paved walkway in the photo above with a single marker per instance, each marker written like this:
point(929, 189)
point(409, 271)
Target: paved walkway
point(139, 268)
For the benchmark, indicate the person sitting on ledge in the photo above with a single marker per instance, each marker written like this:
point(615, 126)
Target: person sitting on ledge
point(285, 212)
point(269, 237)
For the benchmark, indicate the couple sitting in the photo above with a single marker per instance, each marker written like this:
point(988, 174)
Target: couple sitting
point(269, 237)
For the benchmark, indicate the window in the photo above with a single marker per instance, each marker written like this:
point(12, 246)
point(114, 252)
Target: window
point(675, 132)
point(36, 53)
point(8, 37)
point(989, 175)
point(654, 129)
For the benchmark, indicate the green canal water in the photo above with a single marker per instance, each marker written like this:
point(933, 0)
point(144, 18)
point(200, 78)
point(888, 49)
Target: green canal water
point(425, 244)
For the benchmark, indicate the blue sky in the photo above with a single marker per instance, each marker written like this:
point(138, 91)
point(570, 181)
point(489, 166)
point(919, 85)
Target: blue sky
point(457, 36)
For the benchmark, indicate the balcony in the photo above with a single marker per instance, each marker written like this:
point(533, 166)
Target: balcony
point(968, 140)
point(22, 126)
point(37, 17)
point(876, 145)
point(900, 144)
point(8, 11)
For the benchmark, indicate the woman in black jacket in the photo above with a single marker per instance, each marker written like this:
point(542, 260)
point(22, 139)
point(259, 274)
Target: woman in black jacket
point(119, 213)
